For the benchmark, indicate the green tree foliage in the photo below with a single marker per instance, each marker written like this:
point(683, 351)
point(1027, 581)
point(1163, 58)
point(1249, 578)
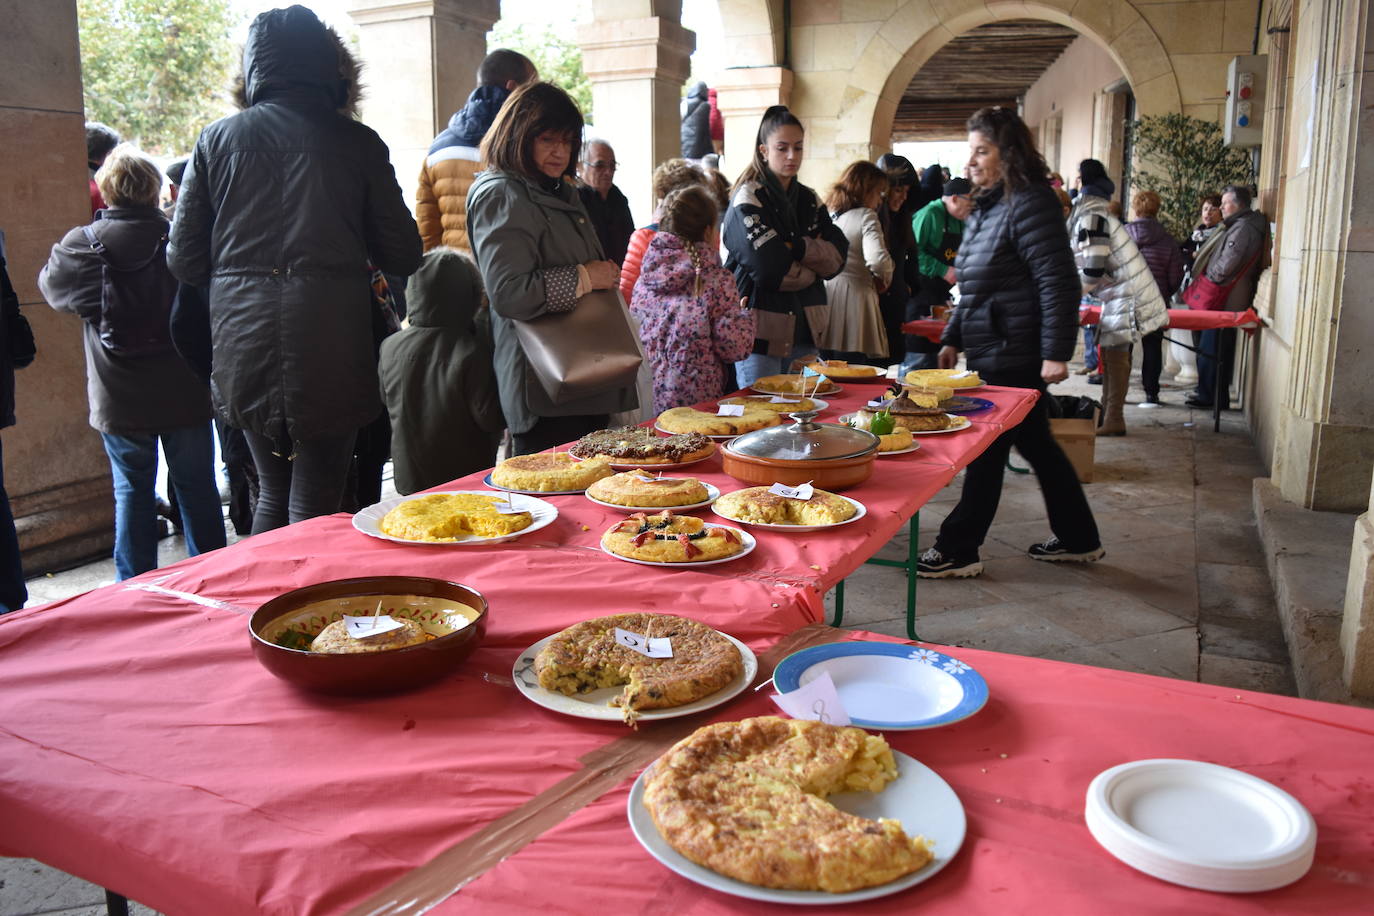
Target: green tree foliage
point(558, 60)
point(157, 71)
point(1182, 159)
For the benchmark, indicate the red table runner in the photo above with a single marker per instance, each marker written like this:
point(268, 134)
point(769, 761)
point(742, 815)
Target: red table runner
point(1187, 319)
point(143, 748)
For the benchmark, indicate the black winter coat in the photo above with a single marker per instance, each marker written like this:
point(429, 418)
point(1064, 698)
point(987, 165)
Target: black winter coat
point(1018, 286)
point(280, 208)
point(696, 124)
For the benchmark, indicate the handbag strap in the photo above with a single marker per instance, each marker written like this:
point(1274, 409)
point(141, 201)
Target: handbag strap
point(104, 253)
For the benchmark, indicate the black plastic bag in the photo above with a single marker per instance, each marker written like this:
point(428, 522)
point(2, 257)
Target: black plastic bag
point(1071, 407)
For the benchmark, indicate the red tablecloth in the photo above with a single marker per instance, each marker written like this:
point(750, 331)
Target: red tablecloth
point(143, 748)
point(929, 328)
point(1022, 767)
point(1187, 319)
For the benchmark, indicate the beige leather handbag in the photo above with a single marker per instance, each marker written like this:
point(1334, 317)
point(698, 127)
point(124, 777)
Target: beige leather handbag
point(585, 352)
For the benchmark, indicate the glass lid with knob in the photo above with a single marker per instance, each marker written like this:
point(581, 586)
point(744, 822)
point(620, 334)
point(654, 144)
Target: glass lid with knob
point(805, 440)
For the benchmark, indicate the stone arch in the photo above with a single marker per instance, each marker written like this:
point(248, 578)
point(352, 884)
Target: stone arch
point(754, 32)
point(1114, 24)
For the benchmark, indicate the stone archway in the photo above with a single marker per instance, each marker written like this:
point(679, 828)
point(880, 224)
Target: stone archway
point(1114, 24)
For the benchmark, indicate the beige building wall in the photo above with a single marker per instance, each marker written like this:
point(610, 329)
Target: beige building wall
point(55, 467)
point(1067, 92)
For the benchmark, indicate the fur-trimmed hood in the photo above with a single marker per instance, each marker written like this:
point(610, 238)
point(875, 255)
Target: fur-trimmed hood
point(292, 49)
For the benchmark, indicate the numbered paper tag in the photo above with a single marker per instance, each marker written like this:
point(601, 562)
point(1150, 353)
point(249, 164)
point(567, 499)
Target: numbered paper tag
point(363, 627)
point(805, 491)
point(878, 404)
point(775, 399)
point(653, 648)
point(730, 410)
point(817, 700)
point(808, 372)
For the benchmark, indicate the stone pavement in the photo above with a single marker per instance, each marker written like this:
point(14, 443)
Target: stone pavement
point(1183, 591)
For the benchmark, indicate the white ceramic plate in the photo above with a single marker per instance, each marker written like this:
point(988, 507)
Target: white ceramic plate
point(881, 375)
point(725, 438)
point(915, 446)
point(959, 423)
point(593, 704)
point(819, 402)
point(887, 685)
point(861, 511)
point(833, 389)
point(1201, 825)
point(919, 798)
point(496, 486)
point(712, 494)
point(367, 520)
point(747, 540)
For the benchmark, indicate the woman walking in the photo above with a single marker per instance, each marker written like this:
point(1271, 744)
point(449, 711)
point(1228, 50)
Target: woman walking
point(538, 253)
point(856, 330)
point(1016, 322)
point(281, 207)
point(113, 273)
point(782, 248)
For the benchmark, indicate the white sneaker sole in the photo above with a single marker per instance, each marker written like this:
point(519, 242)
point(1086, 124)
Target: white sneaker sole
point(958, 572)
point(1088, 557)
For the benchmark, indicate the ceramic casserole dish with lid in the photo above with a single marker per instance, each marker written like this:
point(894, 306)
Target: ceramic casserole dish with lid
point(829, 455)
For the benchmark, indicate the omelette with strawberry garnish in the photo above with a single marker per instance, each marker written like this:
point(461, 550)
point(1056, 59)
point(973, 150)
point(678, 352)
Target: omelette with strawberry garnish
point(668, 538)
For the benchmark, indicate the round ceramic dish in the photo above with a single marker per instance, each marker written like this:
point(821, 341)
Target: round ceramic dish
point(594, 703)
point(889, 686)
point(542, 514)
point(923, 802)
point(373, 672)
point(830, 455)
point(1201, 825)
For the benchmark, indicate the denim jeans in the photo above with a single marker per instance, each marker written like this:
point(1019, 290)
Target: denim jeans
point(1090, 347)
point(13, 594)
point(756, 365)
point(305, 485)
point(1216, 343)
point(190, 471)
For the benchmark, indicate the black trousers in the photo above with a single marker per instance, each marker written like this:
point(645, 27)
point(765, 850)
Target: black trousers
point(1071, 519)
point(1221, 341)
point(1151, 361)
point(549, 432)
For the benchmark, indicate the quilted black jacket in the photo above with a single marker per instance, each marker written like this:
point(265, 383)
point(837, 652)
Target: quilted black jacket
point(1018, 287)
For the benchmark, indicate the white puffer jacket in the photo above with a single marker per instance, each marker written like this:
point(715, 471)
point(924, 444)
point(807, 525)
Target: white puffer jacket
point(1113, 269)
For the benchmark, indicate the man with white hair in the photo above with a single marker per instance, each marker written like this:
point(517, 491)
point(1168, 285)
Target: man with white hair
point(605, 204)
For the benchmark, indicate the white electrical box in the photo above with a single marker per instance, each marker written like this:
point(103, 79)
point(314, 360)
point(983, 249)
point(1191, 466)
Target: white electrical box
point(1246, 81)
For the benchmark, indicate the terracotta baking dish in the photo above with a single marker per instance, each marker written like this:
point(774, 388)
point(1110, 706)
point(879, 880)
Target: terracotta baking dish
point(829, 455)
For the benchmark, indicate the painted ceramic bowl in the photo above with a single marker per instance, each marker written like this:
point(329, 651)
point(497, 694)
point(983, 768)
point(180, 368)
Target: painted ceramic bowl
point(452, 615)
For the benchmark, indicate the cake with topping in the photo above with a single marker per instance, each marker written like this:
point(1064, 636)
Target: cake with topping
point(668, 538)
point(641, 445)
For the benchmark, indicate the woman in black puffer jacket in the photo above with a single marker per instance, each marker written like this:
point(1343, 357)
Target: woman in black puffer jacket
point(280, 209)
point(1016, 322)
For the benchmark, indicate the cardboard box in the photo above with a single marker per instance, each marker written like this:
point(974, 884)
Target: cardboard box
point(1078, 439)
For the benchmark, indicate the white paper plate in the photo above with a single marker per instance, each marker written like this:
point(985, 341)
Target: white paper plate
point(833, 389)
point(712, 494)
point(593, 704)
point(862, 510)
point(1201, 825)
point(919, 798)
point(747, 540)
point(367, 520)
point(820, 403)
point(959, 423)
point(915, 446)
point(887, 685)
point(881, 375)
point(496, 486)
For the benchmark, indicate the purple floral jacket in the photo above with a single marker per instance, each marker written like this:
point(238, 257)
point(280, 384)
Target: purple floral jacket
point(691, 330)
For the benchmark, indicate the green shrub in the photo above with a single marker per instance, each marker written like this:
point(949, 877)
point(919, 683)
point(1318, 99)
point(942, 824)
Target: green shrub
point(1182, 159)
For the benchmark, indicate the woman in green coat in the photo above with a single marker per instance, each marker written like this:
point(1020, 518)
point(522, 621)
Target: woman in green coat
point(538, 253)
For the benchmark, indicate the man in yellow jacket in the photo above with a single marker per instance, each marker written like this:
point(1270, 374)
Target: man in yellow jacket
point(441, 200)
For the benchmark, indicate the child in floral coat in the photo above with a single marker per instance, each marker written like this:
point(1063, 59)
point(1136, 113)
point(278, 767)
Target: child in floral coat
point(692, 324)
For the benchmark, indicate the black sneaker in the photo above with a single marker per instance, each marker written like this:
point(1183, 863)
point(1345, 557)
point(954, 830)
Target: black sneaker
point(1055, 552)
point(935, 565)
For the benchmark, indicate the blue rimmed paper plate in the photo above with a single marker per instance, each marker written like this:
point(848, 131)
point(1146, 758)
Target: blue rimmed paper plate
point(889, 686)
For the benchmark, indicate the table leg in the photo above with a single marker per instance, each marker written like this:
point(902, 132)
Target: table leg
point(908, 565)
point(839, 603)
point(1216, 385)
point(116, 904)
point(1013, 468)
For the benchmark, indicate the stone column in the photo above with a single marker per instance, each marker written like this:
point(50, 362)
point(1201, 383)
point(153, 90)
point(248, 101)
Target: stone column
point(637, 55)
point(742, 94)
point(56, 471)
point(420, 64)
point(1357, 623)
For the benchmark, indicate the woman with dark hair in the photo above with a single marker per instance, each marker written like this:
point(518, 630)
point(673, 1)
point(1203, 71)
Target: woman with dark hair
point(856, 323)
point(895, 217)
point(282, 208)
point(1016, 322)
point(782, 248)
point(538, 253)
point(1208, 222)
